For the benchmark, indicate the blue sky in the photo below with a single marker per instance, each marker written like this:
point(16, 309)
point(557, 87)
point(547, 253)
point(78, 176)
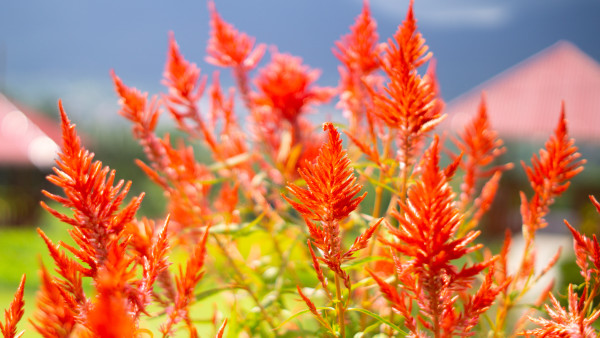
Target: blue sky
point(65, 49)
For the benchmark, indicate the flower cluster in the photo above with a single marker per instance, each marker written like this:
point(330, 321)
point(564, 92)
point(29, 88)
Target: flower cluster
point(406, 259)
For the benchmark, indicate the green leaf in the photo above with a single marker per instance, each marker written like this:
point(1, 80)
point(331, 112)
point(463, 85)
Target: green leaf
point(357, 263)
point(210, 292)
point(375, 182)
point(236, 229)
point(210, 182)
point(380, 319)
point(246, 227)
point(292, 317)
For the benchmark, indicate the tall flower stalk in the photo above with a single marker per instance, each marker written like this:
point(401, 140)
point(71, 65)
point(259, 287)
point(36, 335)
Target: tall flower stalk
point(426, 236)
point(329, 198)
point(549, 176)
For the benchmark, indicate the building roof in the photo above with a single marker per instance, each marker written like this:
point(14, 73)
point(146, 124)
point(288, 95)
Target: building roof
point(26, 138)
point(525, 100)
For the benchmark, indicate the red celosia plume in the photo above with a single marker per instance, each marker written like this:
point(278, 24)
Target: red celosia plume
point(359, 51)
point(55, 316)
point(582, 312)
point(480, 146)
point(587, 250)
point(90, 193)
point(330, 196)
point(408, 105)
point(549, 175)
point(426, 235)
point(229, 48)
point(562, 323)
point(185, 87)
point(103, 239)
point(13, 314)
point(144, 115)
point(285, 86)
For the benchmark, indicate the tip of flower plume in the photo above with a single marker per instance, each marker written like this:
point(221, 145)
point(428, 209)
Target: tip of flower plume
point(327, 126)
point(563, 117)
point(410, 13)
point(366, 6)
point(63, 115)
point(211, 7)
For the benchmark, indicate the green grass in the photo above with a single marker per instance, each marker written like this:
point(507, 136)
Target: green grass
point(21, 250)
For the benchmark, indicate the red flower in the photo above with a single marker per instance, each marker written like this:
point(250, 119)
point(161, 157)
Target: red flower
point(329, 198)
point(14, 313)
point(359, 50)
point(409, 103)
point(562, 323)
point(229, 48)
point(480, 145)
point(286, 87)
point(181, 77)
point(426, 234)
point(549, 176)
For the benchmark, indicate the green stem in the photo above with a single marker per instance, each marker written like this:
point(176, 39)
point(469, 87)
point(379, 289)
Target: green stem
point(243, 285)
point(340, 306)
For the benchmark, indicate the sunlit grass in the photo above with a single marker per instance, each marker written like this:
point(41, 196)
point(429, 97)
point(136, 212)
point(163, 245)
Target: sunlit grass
point(21, 251)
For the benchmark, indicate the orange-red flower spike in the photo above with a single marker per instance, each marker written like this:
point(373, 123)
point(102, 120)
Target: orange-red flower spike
point(181, 77)
point(549, 175)
point(229, 48)
point(359, 51)
point(13, 314)
point(331, 185)
point(285, 86)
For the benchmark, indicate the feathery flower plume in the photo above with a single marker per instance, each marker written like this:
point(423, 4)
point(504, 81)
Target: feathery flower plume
point(360, 49)
point(426, 234)
point(185, 87)
point(14, 313)
point(575, 322)
point(408, 104)
point(185, 283)
point(136, 108)
point(90, 194)
point(229, 48)
point(54, 317)
point(101, 251)
point(286, 87)
point(285, 90)
point(330, 197)
point(480, 147)
point(549, 175)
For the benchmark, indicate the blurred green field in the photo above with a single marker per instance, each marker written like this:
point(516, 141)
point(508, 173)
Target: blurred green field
point(21, 251)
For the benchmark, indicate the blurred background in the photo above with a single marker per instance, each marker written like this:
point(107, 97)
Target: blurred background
point(541, 50)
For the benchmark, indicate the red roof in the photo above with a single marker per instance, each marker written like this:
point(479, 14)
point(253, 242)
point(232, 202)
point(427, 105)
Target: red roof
point(524, 101)
point(22, 141)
